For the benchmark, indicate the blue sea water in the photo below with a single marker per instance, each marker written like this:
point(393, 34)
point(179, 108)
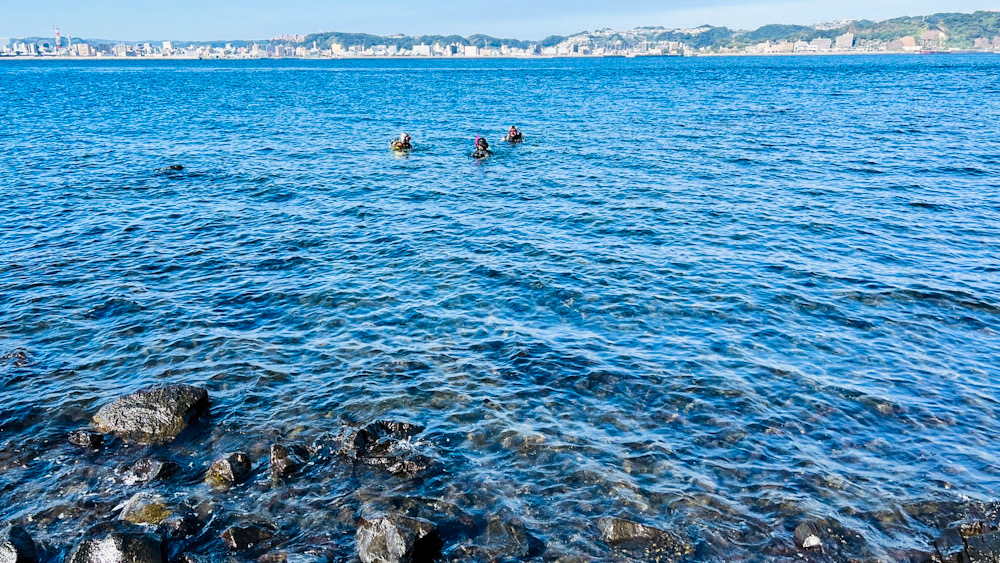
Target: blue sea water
point(715, 296)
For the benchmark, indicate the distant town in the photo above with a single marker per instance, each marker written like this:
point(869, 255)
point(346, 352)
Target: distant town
point(950, 32)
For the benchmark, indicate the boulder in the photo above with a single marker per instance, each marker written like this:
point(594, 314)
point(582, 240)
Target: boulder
point(643, 542)
point(148, 469)
point(85, 439)
point(397, 539)
point(229, 470)
point(119, 543)
point(240, 538)
point(153, 415)
point(287, 460)
point(146, 509)
point(16, 546)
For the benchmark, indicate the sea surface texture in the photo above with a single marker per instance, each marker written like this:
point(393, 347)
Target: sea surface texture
point(718, 297)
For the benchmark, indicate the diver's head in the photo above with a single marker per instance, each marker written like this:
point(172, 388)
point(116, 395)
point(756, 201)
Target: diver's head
point(404, 136)
point(481, 143)
point(513, 128)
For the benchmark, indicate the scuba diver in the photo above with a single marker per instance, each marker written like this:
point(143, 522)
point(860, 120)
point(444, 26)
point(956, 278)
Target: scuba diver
point(513, 136)
point(401, 144)
point(482, 149)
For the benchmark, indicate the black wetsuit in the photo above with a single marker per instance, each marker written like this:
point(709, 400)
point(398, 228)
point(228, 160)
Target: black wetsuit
point(482, 153)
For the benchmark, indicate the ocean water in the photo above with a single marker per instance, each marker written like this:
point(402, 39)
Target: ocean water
point(715, 296)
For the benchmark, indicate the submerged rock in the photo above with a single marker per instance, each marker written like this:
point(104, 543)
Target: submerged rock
point(16, 546)
point(153, 415)
point(148, 469)
point(287, 460)
point(119, 543)
point(397, 539)
point(147, 509)
point(240, 538)
point(85, 439)
point(174, 168)
point(229, 470)
point(643, 542)
point(382, 444)
point(503, 540)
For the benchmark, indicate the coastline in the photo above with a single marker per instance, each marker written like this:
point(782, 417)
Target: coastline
point(501, 57)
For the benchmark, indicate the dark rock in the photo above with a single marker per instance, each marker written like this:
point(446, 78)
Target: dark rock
point(951, 546)
point(119, 544)
point(240, 538)
point(229, 470)
point(377, 438)
point(16, 546)
point(148, 469)
point(174, 168)
point(397, 539)
point(808, 536)
point(643, 542)
point(84, 439)
point(287, 460)
point(191, 558)
point(381, 444)
point(153, 415)
point(983, 549)
point(181, 526)
point(276, 557)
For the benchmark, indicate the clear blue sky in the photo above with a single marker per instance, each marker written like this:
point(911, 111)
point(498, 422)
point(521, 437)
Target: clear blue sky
point(521, 19)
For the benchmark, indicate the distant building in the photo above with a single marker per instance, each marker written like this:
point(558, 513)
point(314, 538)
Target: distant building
point(168, 45)
point(821, 43)
point(845, 41)
point(84, 50)
point(471, 51)
point(422, 50)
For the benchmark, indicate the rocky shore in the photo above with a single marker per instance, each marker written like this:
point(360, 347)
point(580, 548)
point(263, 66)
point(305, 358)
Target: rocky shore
point(151, 527)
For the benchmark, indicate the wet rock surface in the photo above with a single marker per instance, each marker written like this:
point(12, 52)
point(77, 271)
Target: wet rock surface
point(644, 542)
point(287, 460)
point(229, 470)
point(969, 541)
point(146, 508)
point(397, 539)
point(153, 415)
point(241, 538)
point(85, 439)
point(385, 444)
point(148, 469)
point(16, 546)
point(111, 543)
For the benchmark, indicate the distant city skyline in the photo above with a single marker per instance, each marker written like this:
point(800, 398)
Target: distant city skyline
point(191, 20)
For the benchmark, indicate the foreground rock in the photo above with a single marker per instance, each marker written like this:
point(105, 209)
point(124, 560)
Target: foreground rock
point(240, 538)
point(229, 470)
point(398, 539)
point(121, 543)
point(153, 415)
point(969, 541)
point(385, 444)
point(287, 460)
point(643, 542)
point(16, 546)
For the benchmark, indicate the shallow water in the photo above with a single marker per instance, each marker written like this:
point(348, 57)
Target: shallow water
point(716, 296)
